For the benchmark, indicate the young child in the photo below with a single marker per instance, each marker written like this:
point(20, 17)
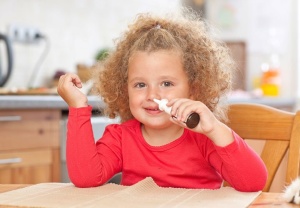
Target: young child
point(173, 58)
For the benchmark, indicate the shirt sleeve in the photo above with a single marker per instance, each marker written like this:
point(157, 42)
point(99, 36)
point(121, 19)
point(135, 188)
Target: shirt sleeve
point(88, 165)
point(240, 166)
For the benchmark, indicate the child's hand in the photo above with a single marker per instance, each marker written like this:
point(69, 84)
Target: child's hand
point(209, 125)
point(68, 89)
point(182, 108)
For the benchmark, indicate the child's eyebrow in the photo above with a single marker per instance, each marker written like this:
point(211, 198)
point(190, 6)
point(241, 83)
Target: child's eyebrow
point(135, 79)
point(165, 77)
point(168, 77)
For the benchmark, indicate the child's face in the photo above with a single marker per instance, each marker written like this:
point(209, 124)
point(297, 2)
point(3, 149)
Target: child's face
point(155, 75)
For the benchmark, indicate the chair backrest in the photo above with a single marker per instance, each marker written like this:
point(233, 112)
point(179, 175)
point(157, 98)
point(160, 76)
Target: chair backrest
point(280, 130)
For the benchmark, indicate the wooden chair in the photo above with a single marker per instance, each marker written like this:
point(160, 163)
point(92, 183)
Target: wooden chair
point(280, 130)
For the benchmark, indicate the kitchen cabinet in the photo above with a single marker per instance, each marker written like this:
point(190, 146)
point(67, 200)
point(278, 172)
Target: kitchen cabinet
point(30, 145)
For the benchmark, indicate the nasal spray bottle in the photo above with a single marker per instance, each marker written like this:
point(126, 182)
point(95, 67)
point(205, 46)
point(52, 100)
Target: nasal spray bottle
point(191, 121)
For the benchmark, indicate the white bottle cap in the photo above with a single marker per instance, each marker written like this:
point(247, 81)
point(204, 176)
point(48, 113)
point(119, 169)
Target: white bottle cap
point(162, 104)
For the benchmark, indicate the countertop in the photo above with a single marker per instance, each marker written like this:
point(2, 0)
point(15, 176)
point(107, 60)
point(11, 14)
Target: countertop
point(42, 101)
point(56, 102)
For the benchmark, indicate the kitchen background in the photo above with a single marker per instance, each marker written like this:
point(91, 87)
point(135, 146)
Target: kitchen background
point(72, 32)
point(75, 30)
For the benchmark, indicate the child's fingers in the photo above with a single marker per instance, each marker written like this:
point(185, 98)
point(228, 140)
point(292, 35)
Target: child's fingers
point(184, 107)
point(67, 83)
point(68, 89)
point(74, 79)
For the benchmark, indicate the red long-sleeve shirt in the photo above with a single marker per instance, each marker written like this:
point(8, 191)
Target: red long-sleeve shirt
point(191, 161)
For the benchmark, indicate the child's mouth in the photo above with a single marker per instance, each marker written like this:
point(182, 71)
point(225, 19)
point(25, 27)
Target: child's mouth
point(153, 110)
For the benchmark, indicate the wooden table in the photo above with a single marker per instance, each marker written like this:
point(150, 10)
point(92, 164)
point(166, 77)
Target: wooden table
point(264, 200)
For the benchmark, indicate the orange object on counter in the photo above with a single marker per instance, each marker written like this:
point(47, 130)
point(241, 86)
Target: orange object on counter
point(271, 78)
point(270, 82)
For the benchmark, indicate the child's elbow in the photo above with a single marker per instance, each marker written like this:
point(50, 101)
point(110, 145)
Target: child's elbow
point(251, 188)
point(85, 182)
point(254, 185)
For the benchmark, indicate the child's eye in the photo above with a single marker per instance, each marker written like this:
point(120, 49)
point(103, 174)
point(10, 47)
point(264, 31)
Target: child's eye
point(167, 84)
point(139, 85)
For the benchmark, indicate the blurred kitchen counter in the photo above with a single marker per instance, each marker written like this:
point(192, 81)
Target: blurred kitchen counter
point(56, 102)
point(41, 102)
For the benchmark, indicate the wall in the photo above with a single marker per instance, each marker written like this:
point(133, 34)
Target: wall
point(266, 26)
point(76, 30)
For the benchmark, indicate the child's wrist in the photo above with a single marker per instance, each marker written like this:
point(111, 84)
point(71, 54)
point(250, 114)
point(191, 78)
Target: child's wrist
point(221, 135)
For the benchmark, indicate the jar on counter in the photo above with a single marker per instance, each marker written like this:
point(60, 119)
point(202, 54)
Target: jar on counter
point(271, 80)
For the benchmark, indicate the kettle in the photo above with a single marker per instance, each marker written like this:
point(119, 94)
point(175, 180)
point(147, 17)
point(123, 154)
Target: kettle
point(8, 50)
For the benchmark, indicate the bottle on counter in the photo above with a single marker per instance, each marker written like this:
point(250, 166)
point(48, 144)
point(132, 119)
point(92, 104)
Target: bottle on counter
point(270, 80)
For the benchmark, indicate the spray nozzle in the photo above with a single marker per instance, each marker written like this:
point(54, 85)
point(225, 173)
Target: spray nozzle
point(162, 105)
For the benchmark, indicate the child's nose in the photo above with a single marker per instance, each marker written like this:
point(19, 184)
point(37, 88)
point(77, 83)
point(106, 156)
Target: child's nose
point(153, 93)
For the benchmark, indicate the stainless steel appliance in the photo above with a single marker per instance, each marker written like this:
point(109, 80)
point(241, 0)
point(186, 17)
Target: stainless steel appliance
point(6, 60)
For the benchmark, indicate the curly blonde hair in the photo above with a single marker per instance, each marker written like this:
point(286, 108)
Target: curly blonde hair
point(207, 61)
